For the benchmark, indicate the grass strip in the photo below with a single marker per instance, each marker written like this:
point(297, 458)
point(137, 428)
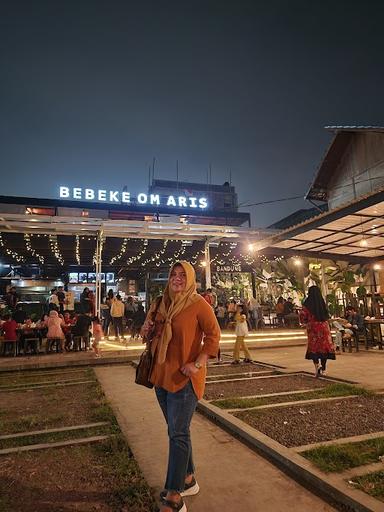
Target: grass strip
point(129, 490)
point(53, 437)
point(341, 457)
point(22, 385)
point(372, 484)
point(33, 374)
point(333, 390)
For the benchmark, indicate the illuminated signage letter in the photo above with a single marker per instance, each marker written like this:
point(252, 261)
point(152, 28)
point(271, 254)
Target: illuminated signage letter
point(182, 201)
point(192, 202)
point(125, 197)
point(142, 198)
point(89, 193)
point(155, 199)
point(113, 196)
point(171, 201)
point(64, 192)
point(77, 193)
point(203, 202)
point(102, 195)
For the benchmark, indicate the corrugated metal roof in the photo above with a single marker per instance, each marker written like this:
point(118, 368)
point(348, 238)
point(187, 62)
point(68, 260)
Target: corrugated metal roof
point(355, 128)
point(332, 156)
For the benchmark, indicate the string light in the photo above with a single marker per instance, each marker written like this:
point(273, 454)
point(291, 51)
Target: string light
point(18, 257)
point(55, 249)
point(140, 255)
point(30, 249)
point(77, 249)
point(121, 253)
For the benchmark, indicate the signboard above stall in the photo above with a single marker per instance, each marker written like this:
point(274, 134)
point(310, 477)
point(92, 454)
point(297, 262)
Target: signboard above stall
point(124, 197)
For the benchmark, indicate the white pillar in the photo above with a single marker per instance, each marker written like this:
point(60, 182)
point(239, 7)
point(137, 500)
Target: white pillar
point(98, 256)
point(323, 281)
point(207, 265)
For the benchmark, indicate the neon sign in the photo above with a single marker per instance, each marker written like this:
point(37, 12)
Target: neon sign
point(114, 196)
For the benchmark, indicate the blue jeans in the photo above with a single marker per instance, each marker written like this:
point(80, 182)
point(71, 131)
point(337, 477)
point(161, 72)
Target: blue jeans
point(178, 409)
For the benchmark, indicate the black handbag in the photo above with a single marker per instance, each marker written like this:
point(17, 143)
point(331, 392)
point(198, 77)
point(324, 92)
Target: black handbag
point(145, 365)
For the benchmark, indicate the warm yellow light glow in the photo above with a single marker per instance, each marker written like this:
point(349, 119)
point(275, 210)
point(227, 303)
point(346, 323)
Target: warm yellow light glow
point(376, 266)
point(251, 247)
point(203, 263)
point(297, 262)
point(363, 242)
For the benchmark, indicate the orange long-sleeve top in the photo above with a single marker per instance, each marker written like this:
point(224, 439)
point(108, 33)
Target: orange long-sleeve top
point(194, 330)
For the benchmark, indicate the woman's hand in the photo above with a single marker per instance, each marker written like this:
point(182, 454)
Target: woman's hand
point(147, 327)
point(189, 369)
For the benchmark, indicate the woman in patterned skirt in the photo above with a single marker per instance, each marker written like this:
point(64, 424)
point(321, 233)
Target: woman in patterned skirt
point(315, 316)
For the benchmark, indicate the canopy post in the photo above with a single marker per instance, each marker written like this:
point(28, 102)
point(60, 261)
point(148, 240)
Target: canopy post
point(98, 260)
point(207, 265)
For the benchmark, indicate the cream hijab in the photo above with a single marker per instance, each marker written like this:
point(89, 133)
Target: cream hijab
point(172, 304)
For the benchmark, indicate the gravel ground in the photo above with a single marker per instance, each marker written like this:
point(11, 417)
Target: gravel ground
point(301, 424)
point(262, 386)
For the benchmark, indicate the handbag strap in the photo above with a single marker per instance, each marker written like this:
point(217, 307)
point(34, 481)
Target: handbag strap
point(153, 316)
point(158, 302)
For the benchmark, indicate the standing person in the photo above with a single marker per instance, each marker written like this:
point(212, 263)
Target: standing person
point(61, 299)
point(85, 301)
point(253, 307)
point(241, 331)
point(107, 315)
point(11, 298)
point(280, 311)
point(220, 314)
point(315, 315)
point(117, 313)
point(97, 335)
point(92, 302)
point(53, 301)
point(210, 297)
point(138, 320)
point(130, 310)
point(180, 355)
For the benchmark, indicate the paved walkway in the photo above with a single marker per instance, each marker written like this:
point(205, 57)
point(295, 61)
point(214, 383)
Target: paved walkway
point(232, 477)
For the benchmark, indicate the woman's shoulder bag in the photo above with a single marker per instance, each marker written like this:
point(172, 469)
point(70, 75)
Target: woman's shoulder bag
point(144, 368)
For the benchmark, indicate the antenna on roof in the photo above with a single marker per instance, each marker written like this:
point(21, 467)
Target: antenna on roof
point(149, 175)
point(230, 177)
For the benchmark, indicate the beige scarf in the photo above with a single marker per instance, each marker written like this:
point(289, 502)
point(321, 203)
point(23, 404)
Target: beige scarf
point(172, 304)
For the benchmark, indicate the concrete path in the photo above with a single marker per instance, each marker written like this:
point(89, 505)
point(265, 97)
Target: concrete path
point(231, 476)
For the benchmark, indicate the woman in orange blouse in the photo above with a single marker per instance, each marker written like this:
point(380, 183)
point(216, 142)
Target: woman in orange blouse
point(180, 356)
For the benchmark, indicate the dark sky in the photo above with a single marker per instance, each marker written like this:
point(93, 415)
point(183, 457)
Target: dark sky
point(91, 92)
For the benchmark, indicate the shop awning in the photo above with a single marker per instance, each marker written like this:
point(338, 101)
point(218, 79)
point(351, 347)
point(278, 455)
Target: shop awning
point(354, 231)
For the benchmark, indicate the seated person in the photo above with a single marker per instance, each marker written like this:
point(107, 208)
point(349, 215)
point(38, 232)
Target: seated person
point(343, 330)
point(355, 319)
point(82, 326)
point(69, 322)
point(291, 319)
point(9, 328)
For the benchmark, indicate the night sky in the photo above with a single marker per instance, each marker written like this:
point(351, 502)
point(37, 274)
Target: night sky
point(90, 92)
